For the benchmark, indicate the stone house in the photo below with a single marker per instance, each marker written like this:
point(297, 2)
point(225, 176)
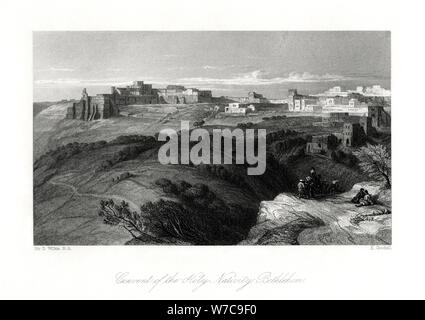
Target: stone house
point(239, 108)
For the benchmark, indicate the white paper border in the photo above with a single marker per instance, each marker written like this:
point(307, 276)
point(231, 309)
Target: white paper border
point(329, 272)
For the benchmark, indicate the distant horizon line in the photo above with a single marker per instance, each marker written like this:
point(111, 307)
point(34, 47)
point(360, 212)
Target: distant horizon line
point(343, 88)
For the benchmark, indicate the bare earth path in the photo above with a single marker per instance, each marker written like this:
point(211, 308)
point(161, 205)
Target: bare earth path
point(75, 191)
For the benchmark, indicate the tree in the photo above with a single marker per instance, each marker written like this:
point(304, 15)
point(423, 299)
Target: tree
point(120, 215)
point(375, 160)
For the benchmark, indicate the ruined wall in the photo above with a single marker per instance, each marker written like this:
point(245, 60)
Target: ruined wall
point(205, 96)
point(70, 112)
point(353, 135)
point(95, 108)
point(172, 99)
point(177, 98)
point(380, 118)
point(366, 124)
point(123, 100)
point(80, 110)
point(92, 108)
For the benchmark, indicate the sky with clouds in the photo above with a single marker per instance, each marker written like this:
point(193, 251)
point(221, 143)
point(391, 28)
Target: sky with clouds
point(228, 63)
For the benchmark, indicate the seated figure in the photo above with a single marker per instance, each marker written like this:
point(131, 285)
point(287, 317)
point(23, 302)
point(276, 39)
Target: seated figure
point(358, 196)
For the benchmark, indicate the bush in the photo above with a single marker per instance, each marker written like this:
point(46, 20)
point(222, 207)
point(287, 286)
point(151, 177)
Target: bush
point(199, 222)
point(227, 172)
point(348, 159)
point(53, 157)
point(182, 185)
point(202, 188)
point(200, 202)
point(197, 191)
point(278, 117)
point(138, 145)
point(198, 194)
point(133, 139)
point(245, 125)
point(170, 188)
point(163, 182)
point(218, 225)
point(217, 205)
point(351, 160)
point(199, 123)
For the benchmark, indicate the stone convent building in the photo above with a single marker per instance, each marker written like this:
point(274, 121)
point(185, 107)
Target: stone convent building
point(90, 108)
point(102, 106)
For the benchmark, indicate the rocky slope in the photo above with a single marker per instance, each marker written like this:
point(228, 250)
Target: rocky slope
point(331, 221)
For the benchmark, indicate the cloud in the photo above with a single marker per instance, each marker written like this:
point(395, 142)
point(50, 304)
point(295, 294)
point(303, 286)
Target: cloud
point(105, 82)
point(227, 66)
point(308, 77)
point(260, 77)
point(254, 78)
point(80, 82)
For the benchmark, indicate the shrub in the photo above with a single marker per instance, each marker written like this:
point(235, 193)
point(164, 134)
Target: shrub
point(202, 188)
point(196, 191)
point(347, 159)
point(182, 185)
point(201, 202)
point(199, 123)
point(217, 205)
point(245, 125)
point(163, 182)
point(170, 188)
point(139, 144)
point(52, 157)
point(218, 224)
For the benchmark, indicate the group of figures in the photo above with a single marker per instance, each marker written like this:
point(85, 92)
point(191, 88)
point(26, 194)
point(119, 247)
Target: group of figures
point(362, 198)
point(313, 186)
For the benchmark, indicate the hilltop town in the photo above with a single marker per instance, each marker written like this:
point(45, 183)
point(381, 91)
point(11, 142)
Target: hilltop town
point(348, 117)
point(103, 106)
